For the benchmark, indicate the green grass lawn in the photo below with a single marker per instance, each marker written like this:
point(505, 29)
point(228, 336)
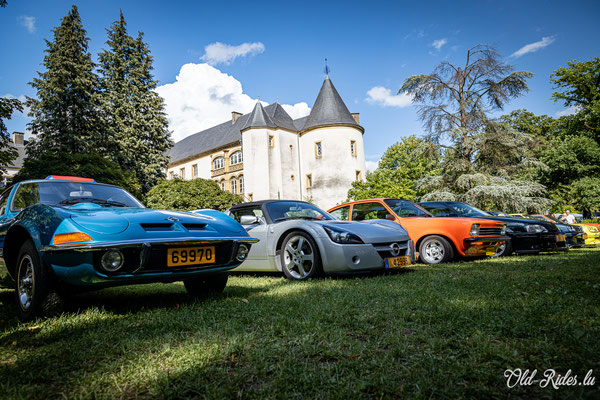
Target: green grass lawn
point(443, 332)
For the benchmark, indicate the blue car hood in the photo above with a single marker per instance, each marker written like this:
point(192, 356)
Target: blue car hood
point(149, 222)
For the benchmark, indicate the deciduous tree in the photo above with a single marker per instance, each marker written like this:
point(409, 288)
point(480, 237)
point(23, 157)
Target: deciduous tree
point(178, 194)
point(7, 152)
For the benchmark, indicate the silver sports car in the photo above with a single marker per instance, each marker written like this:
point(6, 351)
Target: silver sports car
point(302, 241)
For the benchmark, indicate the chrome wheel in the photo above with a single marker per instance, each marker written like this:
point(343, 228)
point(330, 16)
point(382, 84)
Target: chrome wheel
point(433, 251)
point(298, 257)
point(500, 250)
point(26, 283)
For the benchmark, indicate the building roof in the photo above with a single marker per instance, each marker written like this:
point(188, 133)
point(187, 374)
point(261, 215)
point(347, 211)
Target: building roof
point(329, 109)
point(18, 161)
point(259, 119)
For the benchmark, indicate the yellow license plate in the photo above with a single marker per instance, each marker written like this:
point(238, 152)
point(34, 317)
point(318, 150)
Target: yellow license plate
point(397, 262)
point(190, 256)
point(560, 238)
point(490, 253)
point(585, 236)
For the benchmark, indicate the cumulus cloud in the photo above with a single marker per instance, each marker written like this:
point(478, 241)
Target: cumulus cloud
point(384, 97)
point(533, 47)
point(202, 96)
point(372, 165)
point(28, 22)
point(568, 111)
point(438, 44)
point(223, 53)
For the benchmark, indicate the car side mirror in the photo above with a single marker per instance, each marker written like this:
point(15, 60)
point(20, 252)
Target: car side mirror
point(249, 220)
point(390, 217)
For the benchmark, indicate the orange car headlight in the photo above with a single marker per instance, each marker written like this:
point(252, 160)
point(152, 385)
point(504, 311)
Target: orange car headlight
point(70, 239)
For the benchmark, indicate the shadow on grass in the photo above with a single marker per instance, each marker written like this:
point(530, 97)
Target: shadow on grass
point(431, 332)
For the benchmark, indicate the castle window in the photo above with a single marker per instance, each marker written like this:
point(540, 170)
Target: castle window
point(236, 158)
point(194, 171)
point(241, 182)
point(271, 141)
point(318, 150)
point(353, 148)
point(233, 184)
point(308, 181)
point(358, 176)
point(219, 162)
point(182, 173)
point(171, 175)
point(222, 184)
point(250, 196)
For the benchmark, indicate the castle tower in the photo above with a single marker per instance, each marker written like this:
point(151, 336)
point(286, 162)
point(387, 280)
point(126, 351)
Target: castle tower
point(331, 148)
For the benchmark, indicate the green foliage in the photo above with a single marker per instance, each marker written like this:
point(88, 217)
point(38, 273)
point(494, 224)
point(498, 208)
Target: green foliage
point(66, 113)
point(485, 162)
point(586, 193)
point(7, 152)
point(86, 165)
point(134, 111)
point(178, 194)
point(400, 167)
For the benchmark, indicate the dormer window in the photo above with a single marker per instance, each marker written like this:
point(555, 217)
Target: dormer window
point(219, 163)
point(236, 158)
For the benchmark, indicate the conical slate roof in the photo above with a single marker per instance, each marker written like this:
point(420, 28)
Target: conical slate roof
point(329, 109)
point(259, 119)
point(281, 118)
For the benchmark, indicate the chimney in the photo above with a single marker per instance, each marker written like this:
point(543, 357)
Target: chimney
point(234, 116)
point(355, 116)
point(19, 138)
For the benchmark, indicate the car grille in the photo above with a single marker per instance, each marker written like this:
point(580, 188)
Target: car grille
point(490, 231)
point(384, 250)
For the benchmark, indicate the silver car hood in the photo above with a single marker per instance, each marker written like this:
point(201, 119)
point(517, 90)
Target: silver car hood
point(373, 231)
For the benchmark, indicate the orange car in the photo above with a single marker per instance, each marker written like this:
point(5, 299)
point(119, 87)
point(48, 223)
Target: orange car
point(437, 239)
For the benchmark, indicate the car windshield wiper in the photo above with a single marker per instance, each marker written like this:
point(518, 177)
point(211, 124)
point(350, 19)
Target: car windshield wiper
point(75, 200)
point(299, 217)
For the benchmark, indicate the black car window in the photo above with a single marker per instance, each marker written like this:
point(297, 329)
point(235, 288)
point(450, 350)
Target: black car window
point(4, 200)
point(439, 210)
point(27, 195)
point(251, 211)
point(405, 208)
point(366, 211)
point(341, 213)
point(465, 210)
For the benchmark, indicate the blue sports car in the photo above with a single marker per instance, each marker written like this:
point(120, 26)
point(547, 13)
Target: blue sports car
point(65, 233)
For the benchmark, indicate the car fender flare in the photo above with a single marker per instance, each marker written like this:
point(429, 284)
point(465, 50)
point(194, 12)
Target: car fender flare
point(15, 237)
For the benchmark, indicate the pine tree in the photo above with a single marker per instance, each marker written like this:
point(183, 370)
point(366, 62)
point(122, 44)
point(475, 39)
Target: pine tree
point(7, 152)
point(66, 113)
point(135, 112)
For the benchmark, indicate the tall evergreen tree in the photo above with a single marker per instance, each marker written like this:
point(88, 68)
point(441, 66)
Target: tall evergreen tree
point(135, 112)
point(66, 113)
point(7, 152)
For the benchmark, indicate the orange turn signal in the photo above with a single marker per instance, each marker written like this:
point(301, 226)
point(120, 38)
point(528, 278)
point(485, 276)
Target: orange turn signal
point(68, 239)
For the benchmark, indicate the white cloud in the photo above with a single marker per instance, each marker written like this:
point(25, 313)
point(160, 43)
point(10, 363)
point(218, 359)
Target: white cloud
point(28, 22)
point(383, 97)
point(21, 98)
point(533, 47)
point(568, 111)
point(202, 96)
point(372, 165)
point(438, 44)
point(223, 53)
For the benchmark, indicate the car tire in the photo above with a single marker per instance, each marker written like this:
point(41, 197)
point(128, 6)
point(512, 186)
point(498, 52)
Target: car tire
point(206, 286)
point(34, 292)
point(300, 258)
point(504, 250)
point(435, 249)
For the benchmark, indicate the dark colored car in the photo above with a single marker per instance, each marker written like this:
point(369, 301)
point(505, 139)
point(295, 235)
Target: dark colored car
point(574, 233)
point(527, 236)
point(498, 213)
point(65, 234)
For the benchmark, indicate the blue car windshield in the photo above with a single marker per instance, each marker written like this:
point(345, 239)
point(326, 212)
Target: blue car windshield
point(283, 210)
point(70, 194)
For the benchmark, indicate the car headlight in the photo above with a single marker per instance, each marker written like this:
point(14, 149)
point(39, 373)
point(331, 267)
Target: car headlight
point(474, 230)
point(536, 228)
point(112, 260)
point(342, 236)
point(503, 230)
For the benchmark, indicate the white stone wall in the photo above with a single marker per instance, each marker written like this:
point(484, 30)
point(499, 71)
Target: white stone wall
point(257, 177)
point(204, 168)
point(332, 173)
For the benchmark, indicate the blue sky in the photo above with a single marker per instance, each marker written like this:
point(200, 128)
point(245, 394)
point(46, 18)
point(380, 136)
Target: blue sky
point(375, 44)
